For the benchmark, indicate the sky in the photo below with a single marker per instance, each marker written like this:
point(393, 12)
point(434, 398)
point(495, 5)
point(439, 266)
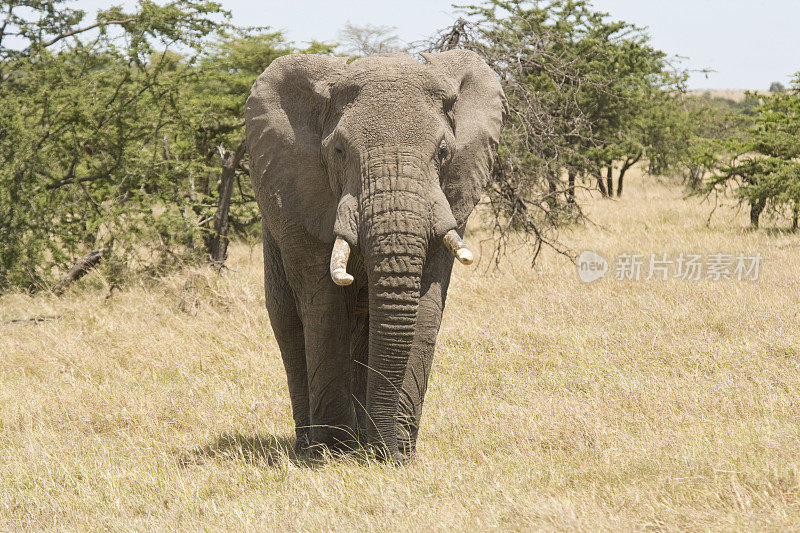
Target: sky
point(748, 43)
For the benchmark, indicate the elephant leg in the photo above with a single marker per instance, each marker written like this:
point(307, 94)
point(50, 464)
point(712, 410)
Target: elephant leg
point(435, 280)
point(288, 330)
point(324, 311)
point(327, 341)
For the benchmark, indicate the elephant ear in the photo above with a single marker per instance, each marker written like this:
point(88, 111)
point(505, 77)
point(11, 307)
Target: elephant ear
point(479, 113)
point(285, 118)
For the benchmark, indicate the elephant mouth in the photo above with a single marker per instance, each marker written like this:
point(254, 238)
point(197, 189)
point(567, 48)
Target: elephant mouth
point(341, 254)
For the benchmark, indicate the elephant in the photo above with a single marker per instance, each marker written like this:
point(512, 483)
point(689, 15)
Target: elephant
point(365, 172)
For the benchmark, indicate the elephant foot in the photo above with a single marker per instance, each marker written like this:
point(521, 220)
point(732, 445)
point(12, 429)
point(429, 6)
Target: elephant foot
point(397, 459)
point(322, 453)
point(392, 457)
point(322, 444)
point(302, 443)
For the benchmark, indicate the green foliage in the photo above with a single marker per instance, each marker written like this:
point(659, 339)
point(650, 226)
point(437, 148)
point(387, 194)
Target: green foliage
point(762, 166)
point(111, 132)
point(704, 127)
point(633, 118)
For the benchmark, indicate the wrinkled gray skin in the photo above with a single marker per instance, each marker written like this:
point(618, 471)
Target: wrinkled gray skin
point(388, 153)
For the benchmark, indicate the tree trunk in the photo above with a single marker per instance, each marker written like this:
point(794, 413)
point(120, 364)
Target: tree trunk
point(625, 167)
point(601, 185)
point(610, 180)
point(756, 207)
point(570, 193)
point(696, 178)
point(218, 246)
point(795, 215)
point(81, 267)
point(552, 200)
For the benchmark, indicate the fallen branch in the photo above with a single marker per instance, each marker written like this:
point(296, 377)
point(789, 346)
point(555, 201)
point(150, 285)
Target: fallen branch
point(81, 267)
point(34, 320)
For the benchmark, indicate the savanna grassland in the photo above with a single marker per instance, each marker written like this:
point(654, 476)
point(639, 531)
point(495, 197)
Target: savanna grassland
point(554, 405)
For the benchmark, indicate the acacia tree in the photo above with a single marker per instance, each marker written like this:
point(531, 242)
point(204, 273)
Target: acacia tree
point(369, 39)
point(777, 87)
point(634, 118)
point(84, 107)
point(706, 126)
point(122, 135)
point(762, 167)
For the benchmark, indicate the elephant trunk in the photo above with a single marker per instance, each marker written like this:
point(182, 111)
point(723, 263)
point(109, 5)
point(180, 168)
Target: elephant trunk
point(395, 230)
point(394, 293)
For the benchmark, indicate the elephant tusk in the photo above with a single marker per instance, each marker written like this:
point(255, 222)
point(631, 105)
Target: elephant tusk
point(339, 257)
point(458, 247)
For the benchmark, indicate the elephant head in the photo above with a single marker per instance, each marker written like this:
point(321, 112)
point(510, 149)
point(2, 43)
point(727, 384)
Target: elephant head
point(384, 155)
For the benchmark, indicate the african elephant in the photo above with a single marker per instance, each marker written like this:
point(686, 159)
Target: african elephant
point(365, 173)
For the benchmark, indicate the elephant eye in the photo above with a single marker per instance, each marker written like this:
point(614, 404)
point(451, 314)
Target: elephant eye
point(448, 103)
point(442, 150)
point(338, 148)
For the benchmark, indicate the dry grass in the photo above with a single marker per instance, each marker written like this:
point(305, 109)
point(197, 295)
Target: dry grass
point(554, 405)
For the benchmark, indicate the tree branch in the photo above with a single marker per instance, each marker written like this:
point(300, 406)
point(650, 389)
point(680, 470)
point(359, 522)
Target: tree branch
point(6, 21)
point(98, 24)
point(66, 181)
